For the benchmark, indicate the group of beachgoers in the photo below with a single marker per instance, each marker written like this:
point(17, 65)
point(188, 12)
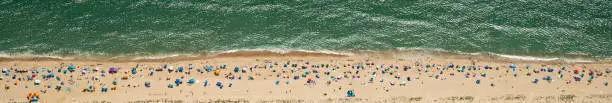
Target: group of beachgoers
point(62, 78)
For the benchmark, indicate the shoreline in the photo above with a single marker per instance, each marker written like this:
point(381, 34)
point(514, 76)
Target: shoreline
point(288, 53)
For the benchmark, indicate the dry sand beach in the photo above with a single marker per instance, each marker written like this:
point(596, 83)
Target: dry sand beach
point(262, 77)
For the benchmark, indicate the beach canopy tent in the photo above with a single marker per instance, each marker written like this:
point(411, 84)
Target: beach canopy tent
point(113, 70)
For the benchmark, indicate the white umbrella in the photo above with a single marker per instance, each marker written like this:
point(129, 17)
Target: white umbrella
point(36, 82)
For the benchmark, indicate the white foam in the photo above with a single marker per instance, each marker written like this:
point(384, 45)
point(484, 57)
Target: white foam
point(524, 57)
point(30, 55)
point(285, 51)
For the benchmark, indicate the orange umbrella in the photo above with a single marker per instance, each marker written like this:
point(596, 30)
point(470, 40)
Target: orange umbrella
point(125, 77)
point(114, 88)
point(37, 95)
point(16, 82)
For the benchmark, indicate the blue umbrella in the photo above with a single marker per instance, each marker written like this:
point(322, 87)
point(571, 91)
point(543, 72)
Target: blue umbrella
point(191, 81)
point(350, 93)
point(134, 71)
point(178, 81)
point(71, 68)
point(209, 68)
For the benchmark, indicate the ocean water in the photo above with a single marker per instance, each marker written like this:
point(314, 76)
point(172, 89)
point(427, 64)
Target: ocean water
point(63, 28)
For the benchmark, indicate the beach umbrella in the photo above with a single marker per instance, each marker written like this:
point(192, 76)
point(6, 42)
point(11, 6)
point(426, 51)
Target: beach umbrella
point(147, 84)
point(36, 82)
point(71, 68)
point(113, 70)
point(171, 68)
point(350, 93)
point(217, 72)
point(478, 81)
point(180, 69)
point(134, 71)
point(208, 68)
point(58, 87)
point(124, 77)
point(551, 69)
point(191, 81)
point(170, 86)
point(236, 69)
point(178, 81)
